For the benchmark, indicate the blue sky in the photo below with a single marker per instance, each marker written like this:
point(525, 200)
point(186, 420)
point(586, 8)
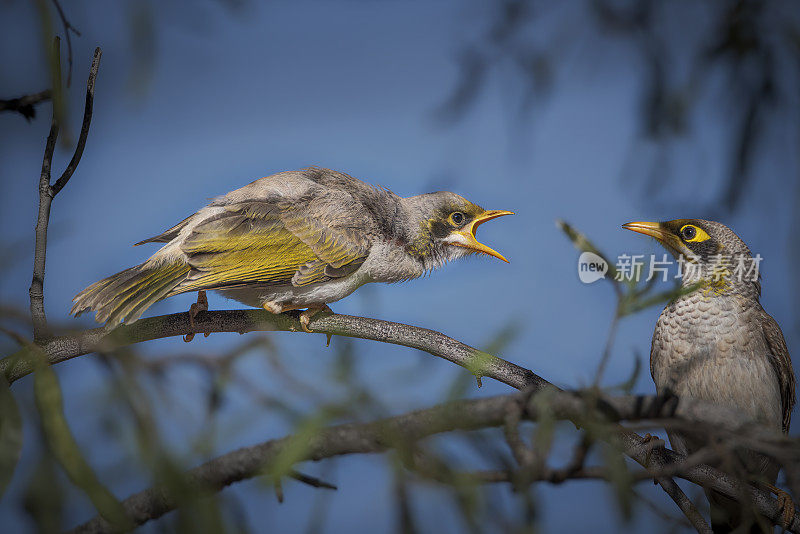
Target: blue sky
point(353, 85)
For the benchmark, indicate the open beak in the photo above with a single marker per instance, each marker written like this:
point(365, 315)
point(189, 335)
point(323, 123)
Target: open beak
point(466, 236)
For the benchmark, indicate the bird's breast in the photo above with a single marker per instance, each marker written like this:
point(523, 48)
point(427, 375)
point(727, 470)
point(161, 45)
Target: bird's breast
point(389, 262)
point(713, 349)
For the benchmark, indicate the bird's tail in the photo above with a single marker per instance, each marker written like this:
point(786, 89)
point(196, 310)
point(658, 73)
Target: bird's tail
point(127, 294)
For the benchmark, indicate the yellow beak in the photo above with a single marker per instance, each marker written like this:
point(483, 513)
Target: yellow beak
point(656, 230)
point(653, 229)
point(466, 236)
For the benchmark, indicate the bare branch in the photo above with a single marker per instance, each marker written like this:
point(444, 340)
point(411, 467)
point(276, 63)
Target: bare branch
point(87, 121)
point(36, 290)
point(48, 192)
point(685, 504)
point(63, 348)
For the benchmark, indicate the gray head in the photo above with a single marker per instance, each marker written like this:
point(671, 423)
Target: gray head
point(441, 226)
point(713, 247)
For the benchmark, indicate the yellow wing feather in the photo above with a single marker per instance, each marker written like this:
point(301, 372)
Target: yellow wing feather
point(251, 244)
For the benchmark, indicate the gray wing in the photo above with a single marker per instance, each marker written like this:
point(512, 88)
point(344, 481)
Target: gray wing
point(782, 363)
point(168, 235)
point(281, 229)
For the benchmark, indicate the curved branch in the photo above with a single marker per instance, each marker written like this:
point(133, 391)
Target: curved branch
point(88, 109)
point(402, 431)
point(480, 363)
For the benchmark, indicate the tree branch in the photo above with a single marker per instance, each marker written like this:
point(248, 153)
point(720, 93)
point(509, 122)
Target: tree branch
point(47, 192)
point(36, 291)
point(479, 363)
point(24, 105)
point(401, 432)
point(87, 121)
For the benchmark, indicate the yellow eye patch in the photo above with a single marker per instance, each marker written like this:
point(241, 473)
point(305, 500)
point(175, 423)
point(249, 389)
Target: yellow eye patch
point(693, 234)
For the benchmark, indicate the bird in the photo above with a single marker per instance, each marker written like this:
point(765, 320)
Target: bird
point(715, 342)
point(294, 240)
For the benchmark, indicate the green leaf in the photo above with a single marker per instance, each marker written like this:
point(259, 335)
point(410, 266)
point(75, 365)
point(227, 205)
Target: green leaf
point(583, 244)
point(504, 337)
point(641, 301)
point(621, 480)
point(628, 385)
point(44, 496)
point(297, 446)
point(10, 434)
point(465, 382)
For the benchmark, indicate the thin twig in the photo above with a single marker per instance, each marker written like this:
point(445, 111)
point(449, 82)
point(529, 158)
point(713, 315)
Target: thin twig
point(67, 28)
point(48, 192)
point(16, 336)
point(36, 290)
point(87, 121)
point(314, 482)
point(612, 333)
point(685, 504)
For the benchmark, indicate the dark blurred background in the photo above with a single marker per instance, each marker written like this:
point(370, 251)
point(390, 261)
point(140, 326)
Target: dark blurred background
point(596, 112)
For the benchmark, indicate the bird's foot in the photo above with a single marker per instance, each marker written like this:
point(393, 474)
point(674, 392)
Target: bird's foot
point(651, 442)
point(786, 502)
point(309, 313)
point(274, 307)
point(196, 307)
point(305, 316)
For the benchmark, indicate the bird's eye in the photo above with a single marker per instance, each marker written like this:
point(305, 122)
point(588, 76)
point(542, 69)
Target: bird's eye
point(694, 234)
point(457, 218)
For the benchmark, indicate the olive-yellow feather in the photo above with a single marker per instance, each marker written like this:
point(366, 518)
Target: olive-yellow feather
point(297, 239)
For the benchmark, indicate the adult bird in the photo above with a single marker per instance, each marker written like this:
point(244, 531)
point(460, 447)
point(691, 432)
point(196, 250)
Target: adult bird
point(294, 240)
point(715, 342)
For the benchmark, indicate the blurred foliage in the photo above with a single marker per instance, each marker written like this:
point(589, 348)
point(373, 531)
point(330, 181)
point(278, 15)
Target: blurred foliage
point(736, 57)
point(65, 449)
point(52, 47)
point(142, 43)
point(144, 393)
point(45, 495)
point(10, 434)
point(634, 293)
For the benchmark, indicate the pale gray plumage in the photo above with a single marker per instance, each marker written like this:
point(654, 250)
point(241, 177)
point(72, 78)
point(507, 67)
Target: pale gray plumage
point(717, 343)
point(294, 240)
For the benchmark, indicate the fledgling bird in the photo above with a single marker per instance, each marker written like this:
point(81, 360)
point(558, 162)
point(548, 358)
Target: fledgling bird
point(294, 240)
point(715, 342)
